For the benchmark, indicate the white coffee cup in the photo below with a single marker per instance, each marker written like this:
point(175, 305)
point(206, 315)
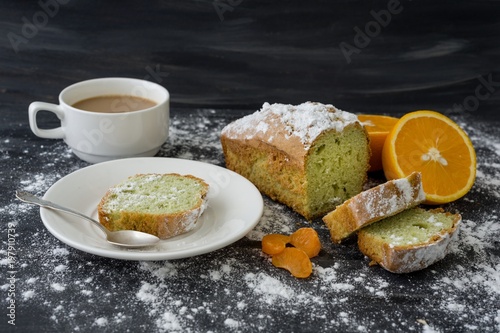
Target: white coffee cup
point(96, 136)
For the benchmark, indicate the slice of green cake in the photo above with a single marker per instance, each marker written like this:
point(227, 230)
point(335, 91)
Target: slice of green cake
point(411, 240)
point(164, 205)
point(374, 204)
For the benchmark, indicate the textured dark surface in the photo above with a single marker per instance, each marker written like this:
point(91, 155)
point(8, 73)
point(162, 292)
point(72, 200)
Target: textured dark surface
point(236, 288)
point(218, 67)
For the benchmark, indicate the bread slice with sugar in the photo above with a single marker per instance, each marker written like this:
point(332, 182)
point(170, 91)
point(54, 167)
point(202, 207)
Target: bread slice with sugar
point(374, 205)
point(311, 156)
point(165, 205)
point(411, 240)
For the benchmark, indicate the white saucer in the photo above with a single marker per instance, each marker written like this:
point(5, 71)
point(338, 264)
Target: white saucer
point(234, 208)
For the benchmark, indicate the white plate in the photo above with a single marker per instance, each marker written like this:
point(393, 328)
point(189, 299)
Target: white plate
point(234, 208)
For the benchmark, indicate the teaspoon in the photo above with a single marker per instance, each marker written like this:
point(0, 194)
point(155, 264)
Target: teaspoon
point(124, 238)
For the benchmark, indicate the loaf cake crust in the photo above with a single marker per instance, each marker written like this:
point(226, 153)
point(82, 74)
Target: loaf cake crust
point(374, 205)
point(398, 257)
point(165, 205)
point(310, 157)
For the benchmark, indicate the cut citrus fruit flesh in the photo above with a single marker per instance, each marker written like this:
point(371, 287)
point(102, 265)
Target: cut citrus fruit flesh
point(377, 127)
point(274, 243)
point(295, 260)
point(433, 144)
point(306, 239)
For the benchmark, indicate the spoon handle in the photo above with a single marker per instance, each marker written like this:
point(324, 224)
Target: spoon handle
point(30, 198)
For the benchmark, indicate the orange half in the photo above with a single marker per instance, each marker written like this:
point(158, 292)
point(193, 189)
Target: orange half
point(377, 127)
point(433, 144)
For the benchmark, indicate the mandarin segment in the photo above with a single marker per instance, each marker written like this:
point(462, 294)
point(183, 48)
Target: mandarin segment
point(274, 243)
point(295, 260)
point(377, 127)
point(306, 239)
point(434, 145)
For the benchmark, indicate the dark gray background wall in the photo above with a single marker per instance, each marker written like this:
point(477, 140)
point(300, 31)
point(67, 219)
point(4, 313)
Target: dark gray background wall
point(362, 56)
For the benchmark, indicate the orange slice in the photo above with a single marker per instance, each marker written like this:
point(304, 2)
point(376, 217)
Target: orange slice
point(433, 144)
point(296, 261)
point(378, 127)
point(274, 243)
point(306, 239)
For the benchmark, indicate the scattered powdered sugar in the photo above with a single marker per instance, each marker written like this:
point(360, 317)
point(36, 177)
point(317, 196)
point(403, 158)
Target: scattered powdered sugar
point(58, 286)
point(60, 251)
point(28, 294)
point(101, 321)
point(268, 288)
point(231, 323)
point(167, 322)
point(195, 137)
point(274, 220)
point(330, 278)
point(237, 289)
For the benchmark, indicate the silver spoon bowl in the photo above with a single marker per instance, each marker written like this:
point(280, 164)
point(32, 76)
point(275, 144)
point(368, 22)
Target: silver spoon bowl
point(124, 238)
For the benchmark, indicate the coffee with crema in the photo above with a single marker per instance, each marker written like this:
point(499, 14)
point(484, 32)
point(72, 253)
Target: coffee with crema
point(114, 104)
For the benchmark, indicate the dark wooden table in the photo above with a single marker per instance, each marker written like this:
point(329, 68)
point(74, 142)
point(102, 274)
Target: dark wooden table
point(221, 60)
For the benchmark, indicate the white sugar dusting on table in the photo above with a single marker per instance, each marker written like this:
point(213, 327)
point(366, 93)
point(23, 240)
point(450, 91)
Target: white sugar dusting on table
point(254, 292)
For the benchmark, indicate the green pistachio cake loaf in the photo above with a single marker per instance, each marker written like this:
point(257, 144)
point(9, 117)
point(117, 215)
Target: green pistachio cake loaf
point(411, 240)
point(165, 205)
point(310, 157)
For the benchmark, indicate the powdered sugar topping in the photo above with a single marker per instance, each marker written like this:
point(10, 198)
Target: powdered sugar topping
point(305, 122)
point(407, 191)
point(387, 199)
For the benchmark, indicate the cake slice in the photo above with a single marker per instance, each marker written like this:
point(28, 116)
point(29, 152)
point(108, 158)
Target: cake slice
point(411, 240)
point(374, 205)
point(165, 205)
point(311, 156)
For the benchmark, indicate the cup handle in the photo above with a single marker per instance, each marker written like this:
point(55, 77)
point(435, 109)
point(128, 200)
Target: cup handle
point(54, 133)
